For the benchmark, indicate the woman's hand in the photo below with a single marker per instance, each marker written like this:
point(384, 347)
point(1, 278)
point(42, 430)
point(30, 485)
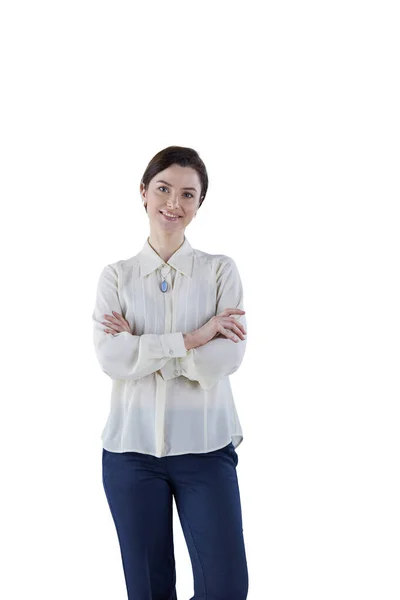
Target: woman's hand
point(117, 324)
point(220, 325)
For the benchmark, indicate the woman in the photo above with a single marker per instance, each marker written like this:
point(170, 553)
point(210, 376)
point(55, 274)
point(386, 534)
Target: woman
point(169, 329)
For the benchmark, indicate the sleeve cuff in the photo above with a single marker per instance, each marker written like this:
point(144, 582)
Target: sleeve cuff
point(171, 369)
point(173, 344)
point(192, 372)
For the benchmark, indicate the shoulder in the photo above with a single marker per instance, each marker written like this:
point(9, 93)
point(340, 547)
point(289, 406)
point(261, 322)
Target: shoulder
point(217, 260)
point(219, 267)
point(122, 265)
point(114, 272)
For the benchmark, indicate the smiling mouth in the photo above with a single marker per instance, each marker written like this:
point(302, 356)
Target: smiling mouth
point(170, 218)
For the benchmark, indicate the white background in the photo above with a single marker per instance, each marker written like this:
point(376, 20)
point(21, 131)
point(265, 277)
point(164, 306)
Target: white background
point(294, 108)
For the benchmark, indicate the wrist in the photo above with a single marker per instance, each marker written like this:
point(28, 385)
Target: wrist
point(189, 339)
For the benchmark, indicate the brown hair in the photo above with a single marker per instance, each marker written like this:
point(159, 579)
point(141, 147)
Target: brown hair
point(179, 155)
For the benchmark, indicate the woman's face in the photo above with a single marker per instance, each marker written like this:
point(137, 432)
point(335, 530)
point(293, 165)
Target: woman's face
point(176, 190)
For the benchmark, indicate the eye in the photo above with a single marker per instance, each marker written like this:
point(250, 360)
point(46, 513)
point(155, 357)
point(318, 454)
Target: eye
point(189, 194)
point(162, 186)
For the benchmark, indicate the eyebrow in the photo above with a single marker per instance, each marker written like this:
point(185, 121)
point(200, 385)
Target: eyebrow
point(184, 188)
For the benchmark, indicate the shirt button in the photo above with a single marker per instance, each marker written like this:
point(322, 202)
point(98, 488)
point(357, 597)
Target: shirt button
point(176, 372)
point(171, 351)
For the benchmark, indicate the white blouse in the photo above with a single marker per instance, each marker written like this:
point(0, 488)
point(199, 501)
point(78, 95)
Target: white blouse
point(167, 400)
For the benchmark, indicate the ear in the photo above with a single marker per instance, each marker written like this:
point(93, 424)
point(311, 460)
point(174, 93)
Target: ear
point(142, 191)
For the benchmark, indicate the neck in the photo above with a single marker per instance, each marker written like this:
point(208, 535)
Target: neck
point(166, 244)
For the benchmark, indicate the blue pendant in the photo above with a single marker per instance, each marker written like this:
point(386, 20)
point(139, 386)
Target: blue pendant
point(164, 286)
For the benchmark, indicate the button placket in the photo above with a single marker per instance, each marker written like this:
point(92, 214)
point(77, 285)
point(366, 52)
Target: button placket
point(168, 304)
point(161, 396)
point(173, 323)
point(169, 314)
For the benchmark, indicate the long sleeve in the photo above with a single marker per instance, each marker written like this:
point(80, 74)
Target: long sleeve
point(124, 355)
point(220, 356)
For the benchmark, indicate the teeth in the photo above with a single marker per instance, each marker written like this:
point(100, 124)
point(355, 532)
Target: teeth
point(169, 215)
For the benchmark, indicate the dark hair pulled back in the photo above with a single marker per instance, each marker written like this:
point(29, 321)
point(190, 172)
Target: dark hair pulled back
point(179, 155)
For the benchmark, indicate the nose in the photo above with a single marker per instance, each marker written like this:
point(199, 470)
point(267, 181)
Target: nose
point(173, 201)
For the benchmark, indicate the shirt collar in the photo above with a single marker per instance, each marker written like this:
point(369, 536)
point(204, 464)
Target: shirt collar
point(181, 260)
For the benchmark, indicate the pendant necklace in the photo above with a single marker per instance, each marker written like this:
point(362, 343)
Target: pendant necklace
point(164, 283)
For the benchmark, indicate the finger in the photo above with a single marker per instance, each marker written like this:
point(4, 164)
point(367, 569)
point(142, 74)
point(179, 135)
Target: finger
point(115, 316)
point(113, 329)
point(118, 316)
point(109, 323)
point(109, 320)
point(229, 311)
point(236, 323)
point(239, 332)
point(112, 324)
point(117, 320)
point(235, 330)
point(122, 322)
point(118, 327)
point(233, 323)
point(228, 334)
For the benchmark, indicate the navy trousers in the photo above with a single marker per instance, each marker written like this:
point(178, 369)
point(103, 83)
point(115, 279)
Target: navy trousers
point(139, 489)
